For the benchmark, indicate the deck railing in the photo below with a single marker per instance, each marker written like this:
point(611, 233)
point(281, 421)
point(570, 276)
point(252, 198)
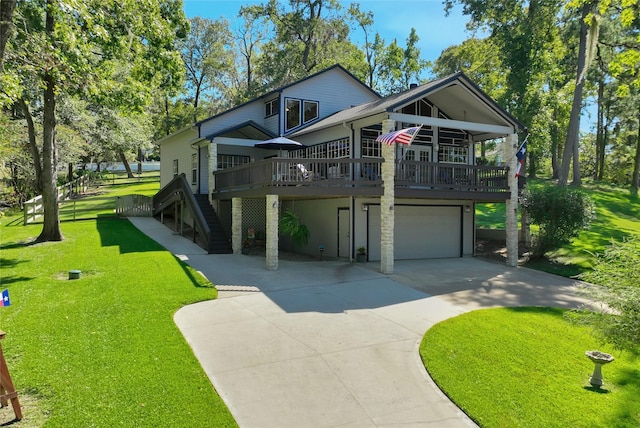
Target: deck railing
point(277, 172)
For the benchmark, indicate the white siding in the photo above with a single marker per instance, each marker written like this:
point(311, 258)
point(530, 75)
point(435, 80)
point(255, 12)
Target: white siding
point(176, 146)
point(334, 90)
point(252, 111)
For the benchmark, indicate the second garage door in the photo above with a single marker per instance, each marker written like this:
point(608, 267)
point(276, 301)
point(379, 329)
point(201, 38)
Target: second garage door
point(421, 232)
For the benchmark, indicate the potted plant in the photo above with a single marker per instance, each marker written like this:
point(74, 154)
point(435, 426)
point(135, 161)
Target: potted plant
point(246, 246)
point(362, 255)
point(291, 225)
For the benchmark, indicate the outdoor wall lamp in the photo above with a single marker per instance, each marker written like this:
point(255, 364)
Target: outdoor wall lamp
point(467, 208)
point(365, 207)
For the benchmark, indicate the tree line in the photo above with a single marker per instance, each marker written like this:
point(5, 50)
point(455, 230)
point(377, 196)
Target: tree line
point(100, 80)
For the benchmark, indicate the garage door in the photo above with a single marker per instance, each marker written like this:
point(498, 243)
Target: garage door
point(421, 232)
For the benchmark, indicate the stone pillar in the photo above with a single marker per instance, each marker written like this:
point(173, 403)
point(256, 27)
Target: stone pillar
point(213, 166)
point(272, 209)
point(512, 202)
point(236, 225)
point(387, 200)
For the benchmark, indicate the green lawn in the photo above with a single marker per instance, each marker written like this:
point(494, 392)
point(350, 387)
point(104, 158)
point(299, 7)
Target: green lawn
point(532, 374)
point(102, 350)
point(617, 216)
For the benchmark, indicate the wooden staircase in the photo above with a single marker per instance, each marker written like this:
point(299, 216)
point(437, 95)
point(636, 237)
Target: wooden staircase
point(219, 243)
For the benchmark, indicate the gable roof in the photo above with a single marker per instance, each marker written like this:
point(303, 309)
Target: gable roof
point(248, 129)
point(276, 91)
point(455, 95)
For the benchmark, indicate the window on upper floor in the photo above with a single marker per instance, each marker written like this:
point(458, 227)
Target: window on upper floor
point(310, 111)
point(175, 167)
point(194, 168)
point(271, 107)
point(299, 112)
point(229, 161)
point(453, 154)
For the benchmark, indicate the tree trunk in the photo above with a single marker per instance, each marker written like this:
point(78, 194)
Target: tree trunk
point(555, 134)
point(572, 144)
point(51, 227)
point(6, 21)
point(599, 131)
point(635, 179)
point(33, 146)
point(125, 162)
point(532, 165)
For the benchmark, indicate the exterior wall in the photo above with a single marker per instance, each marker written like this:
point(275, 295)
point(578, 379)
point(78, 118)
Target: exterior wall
point(333, 90)
point(252, 111)
point(177, 146)
point(321, 217)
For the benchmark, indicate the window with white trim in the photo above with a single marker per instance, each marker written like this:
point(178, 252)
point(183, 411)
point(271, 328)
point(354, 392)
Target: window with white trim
point(175, 167)
point(369, 147)
point(338, 149)
point(271, 107)
point(230, 161)
point(310, 111)
point(453, 154)
point(194, 168)
point(299, 112)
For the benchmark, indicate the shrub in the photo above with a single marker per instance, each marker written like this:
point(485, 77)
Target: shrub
point(617, 275)
point(560, 212)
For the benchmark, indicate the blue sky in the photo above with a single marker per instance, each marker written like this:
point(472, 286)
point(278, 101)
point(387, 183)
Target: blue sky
point(392, 19)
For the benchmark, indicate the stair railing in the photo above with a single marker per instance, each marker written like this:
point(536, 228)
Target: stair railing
point(178, 191)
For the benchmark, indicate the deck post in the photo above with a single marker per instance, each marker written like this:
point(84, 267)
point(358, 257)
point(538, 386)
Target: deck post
point(512, 202)
point(236, 225)
point(387, 200)
point(272, 232)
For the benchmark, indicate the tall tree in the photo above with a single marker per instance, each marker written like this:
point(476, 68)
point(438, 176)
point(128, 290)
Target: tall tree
point(6, 21)
point(526, 35)
point(207, 58)
point(589, 28)
point(105, 49)
point(309, 35)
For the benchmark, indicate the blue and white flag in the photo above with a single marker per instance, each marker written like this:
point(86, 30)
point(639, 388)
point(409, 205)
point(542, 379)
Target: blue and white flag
point(5, 298)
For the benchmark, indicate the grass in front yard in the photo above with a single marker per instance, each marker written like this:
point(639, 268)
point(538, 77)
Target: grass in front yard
point(617, 215)
point(525, 367)
point(102, 350)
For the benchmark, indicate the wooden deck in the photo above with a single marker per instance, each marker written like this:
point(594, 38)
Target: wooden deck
point(360, 177)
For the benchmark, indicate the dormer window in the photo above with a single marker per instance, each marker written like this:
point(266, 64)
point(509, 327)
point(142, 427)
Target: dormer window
point(300, 112)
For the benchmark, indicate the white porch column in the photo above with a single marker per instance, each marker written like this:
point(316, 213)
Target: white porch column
point(272, 232)
point(512, 203)
point(212, 167)
point(387, 214)
point(236, 225)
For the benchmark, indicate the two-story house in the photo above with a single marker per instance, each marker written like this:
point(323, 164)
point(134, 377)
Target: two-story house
point(397, 201)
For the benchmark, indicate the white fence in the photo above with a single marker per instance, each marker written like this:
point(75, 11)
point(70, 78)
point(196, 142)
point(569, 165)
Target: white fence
point(134, 206)
point(34, 208)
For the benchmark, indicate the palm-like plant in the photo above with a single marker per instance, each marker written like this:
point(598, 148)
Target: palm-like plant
point(290, 225)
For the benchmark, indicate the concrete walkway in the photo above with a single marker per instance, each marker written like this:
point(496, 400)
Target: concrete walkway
point(335, 344)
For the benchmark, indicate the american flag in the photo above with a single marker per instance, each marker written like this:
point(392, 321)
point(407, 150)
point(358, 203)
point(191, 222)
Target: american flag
point(521, 154)
point(403, 136)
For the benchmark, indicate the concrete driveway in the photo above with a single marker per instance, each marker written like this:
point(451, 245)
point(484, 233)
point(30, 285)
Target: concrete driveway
point(335, 344)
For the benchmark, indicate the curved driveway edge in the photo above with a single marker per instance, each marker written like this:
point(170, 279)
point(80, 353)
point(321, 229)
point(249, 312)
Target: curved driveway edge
point(335, 344)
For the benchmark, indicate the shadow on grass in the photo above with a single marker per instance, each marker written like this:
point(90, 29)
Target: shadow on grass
point(14, 245)
point(596, 389)
point(119, 232)
point(199, 280)
point(13, 279)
